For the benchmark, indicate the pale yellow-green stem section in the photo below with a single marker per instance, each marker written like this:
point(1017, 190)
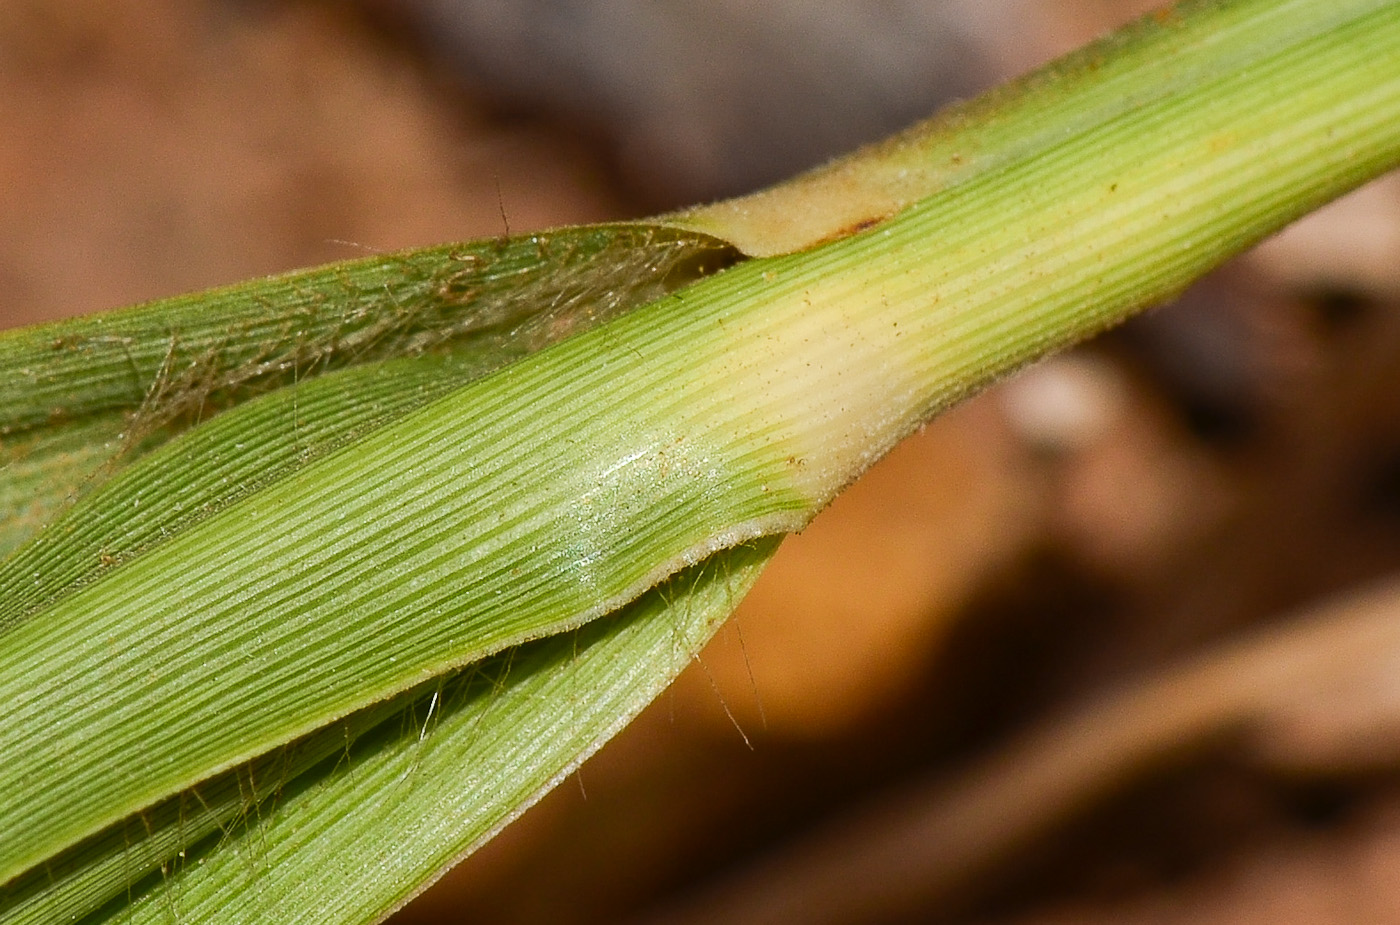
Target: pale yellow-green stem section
point(904, 318)
point(564, 486)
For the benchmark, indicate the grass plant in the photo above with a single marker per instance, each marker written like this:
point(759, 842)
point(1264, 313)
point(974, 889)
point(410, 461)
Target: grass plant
point(311, 584)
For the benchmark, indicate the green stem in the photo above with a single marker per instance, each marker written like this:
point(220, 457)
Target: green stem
point(562, 487)
point(1170, 52)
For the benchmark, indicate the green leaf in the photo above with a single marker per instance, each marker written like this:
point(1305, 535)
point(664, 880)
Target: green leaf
point(393, 795)
point(84, 396)
point(274, 435)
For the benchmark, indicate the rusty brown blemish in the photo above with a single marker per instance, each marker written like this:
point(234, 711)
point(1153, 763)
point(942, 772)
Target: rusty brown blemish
point(863, 225)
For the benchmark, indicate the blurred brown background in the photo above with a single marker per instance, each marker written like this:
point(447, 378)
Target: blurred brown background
point(1082, 651)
